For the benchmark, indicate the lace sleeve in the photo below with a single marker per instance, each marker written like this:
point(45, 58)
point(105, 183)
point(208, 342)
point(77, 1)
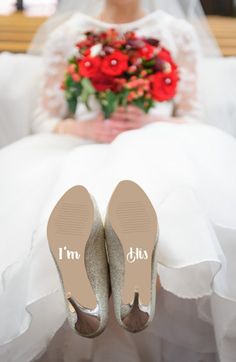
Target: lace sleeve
point(52, 107)
point(187, 102)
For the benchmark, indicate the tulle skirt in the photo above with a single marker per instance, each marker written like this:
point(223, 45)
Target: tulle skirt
point(189, 173)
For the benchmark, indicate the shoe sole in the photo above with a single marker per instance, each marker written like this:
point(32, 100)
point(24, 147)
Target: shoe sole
point(68, 231)
point(134, 221)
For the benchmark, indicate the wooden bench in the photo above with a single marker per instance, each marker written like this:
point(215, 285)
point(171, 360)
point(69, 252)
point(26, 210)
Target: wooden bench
point(224, 30)
point(17, 31)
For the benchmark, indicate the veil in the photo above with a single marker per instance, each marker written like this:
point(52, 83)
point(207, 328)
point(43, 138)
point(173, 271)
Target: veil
point(190, 10)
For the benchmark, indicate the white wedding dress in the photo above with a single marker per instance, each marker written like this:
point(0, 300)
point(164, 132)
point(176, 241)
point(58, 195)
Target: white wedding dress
point(189, 172)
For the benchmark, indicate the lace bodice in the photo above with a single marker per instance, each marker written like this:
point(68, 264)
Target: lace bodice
point(176, 35)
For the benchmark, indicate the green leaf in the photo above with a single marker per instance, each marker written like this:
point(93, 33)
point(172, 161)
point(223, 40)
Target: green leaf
point(72, 104)
point(73, 60)
point(69, 81)
point(87, 85)
point(109, 102)
point(149, 63)
point(71, 86)
point(72, 92)
point(87, 91)
point(122, 97)
point(144, 104)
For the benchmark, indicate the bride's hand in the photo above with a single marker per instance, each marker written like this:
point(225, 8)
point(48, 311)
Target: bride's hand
point(132, 116)
point(97, 129)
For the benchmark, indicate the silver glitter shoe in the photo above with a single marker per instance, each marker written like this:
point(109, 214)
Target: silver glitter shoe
point(131, 230)
point(76, 240)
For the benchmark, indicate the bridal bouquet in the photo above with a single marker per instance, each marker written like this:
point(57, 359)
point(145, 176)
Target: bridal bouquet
point(119, 69)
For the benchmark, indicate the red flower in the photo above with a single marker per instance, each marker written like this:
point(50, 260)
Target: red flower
point(130, 35)
point(84, 43)
point(86, 52)
point(118, 43)
point(164, 55)
point(102, 83)
point(164, 86)
point(115, 64)
point(112, 34)
point(71, 69)
point(147, 51)
point(76, 77)
point(88, 66)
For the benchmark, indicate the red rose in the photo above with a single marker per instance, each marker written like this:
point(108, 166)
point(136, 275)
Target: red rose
point(164, 55)
point(88, 66)
point(147, 51)
point(102, 83)
point(115, 64)
point(163, 86)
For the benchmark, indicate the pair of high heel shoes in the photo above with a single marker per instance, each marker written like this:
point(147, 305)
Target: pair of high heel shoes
point(91, 257)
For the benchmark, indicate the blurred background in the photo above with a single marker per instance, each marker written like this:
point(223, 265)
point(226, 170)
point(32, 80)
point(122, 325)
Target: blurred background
point(20, 19)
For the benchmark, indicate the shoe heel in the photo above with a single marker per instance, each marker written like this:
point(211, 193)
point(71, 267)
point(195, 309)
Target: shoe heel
point(69, 230)
point(134, 222)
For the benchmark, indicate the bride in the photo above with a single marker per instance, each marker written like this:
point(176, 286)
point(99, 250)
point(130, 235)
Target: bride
point(186, 168)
